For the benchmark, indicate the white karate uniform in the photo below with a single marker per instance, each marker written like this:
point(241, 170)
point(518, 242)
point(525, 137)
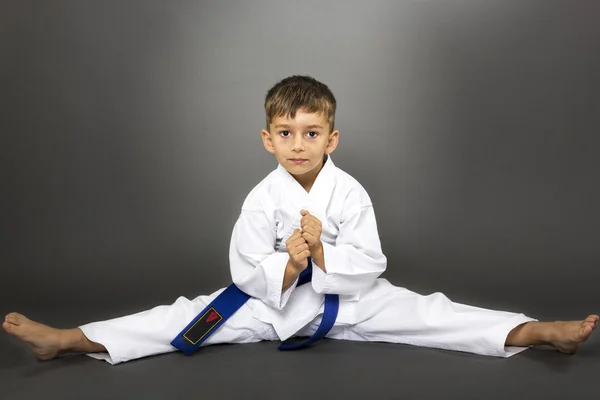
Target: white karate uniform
point(371, 309)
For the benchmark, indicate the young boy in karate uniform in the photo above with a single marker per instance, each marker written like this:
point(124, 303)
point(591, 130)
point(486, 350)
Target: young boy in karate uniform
point(308, 209)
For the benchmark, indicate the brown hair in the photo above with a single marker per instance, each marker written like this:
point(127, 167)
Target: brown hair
point(299, 92)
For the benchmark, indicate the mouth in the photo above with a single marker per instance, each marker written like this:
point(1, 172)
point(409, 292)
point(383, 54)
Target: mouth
point(298, 160)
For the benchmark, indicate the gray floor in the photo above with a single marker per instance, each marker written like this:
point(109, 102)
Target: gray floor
point(328, 370)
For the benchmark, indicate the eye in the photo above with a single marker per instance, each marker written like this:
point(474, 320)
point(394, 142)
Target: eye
point(313, 134)
point(284, 133)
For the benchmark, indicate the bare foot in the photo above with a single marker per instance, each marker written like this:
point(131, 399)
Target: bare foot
point(566, 336)
point(46, 342)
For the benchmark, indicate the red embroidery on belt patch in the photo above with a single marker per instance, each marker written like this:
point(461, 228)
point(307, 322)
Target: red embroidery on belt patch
point(213, 315)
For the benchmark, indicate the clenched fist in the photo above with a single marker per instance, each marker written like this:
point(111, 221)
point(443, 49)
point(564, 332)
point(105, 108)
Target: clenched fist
point(311, 230)
point(298, 250)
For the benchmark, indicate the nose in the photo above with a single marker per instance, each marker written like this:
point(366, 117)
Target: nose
point(297, 143)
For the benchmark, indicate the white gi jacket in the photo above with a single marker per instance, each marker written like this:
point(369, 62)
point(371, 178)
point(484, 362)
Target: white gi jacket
point(352, 250)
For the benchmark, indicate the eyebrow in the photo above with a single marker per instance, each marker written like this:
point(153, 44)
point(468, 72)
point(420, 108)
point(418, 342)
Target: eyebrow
point(308, 127)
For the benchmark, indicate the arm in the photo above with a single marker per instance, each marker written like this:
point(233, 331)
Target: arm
point(356, 259)
point(256, 267)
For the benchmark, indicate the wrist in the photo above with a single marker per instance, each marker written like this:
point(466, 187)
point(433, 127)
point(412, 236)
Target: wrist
point(317, 249)
point(295, 268)
point(318, 256)
point(291, 274)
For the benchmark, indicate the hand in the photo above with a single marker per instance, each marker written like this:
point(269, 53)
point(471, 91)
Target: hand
point(298, 250)
point(311, 230)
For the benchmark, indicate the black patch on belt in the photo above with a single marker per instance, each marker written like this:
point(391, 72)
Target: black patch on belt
point(203, 326)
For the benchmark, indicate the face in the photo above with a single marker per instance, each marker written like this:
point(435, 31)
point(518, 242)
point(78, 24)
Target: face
point(300, 144)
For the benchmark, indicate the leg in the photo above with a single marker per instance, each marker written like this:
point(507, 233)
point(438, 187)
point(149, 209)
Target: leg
point(397, 315)
point(138, 335)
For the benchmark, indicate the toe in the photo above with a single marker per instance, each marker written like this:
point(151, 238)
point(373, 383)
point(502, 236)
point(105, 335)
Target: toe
point(586, 331)
point(7, 327)
point(14, 318)
point(588, 327)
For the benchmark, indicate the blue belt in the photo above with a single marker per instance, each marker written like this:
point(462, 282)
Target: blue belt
point(230, 300)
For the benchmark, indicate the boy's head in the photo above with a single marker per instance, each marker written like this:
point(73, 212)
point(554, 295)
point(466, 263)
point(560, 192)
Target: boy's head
point(300, 93)
point(300, 113)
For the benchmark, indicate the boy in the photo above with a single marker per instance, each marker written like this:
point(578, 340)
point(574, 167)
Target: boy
point(308, 212)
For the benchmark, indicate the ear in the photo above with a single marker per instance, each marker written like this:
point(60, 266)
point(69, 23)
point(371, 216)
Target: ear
point(332, 142)
point(267, 141)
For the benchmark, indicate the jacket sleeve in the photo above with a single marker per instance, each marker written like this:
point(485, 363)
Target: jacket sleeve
point(356, 259)
point(256, 267)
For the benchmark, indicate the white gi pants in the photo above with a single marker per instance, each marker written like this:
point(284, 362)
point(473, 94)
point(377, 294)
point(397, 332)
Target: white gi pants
point(384, 314)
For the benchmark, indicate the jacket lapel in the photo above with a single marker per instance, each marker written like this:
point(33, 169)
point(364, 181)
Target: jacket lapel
point(294, 198)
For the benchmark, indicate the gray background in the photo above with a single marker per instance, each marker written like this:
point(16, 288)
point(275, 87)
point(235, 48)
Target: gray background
point(130, 137)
